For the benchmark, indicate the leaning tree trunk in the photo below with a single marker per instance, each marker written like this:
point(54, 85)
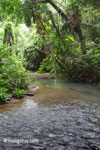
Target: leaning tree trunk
point(76, 29)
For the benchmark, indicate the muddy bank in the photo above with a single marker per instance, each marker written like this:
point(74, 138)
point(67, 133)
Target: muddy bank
point(30, 92)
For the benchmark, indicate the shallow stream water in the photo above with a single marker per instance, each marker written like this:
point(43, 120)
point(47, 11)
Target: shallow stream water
point(60, 116)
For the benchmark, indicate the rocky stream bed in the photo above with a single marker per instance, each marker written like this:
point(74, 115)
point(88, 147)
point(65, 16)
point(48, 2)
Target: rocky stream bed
point(57, 118)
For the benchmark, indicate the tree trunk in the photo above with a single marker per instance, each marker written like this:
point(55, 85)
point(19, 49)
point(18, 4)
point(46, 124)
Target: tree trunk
point(77, 29)
point(79, 32)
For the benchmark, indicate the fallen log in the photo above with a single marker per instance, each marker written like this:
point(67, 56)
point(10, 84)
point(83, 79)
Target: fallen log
point(29, 94)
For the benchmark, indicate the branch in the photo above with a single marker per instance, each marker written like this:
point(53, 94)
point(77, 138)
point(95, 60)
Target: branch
point(76, 29)
point(54, 6)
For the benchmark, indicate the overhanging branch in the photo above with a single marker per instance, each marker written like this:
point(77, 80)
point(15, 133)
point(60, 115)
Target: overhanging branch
point(76, 29)
point(54, 6)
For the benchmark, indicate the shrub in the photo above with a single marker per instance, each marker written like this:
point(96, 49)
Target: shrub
point(46, 65)
point(4, 97)
point(33, 57)
point(18, 93)
point(12, 75)
point(12, 72)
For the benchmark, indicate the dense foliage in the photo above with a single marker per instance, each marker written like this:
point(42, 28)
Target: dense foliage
point(69, 35)
point(13, 79)
point(33, 57)
point(12, 74)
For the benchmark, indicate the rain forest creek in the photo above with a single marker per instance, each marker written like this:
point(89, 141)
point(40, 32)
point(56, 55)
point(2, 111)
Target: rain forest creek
point(60, 116)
